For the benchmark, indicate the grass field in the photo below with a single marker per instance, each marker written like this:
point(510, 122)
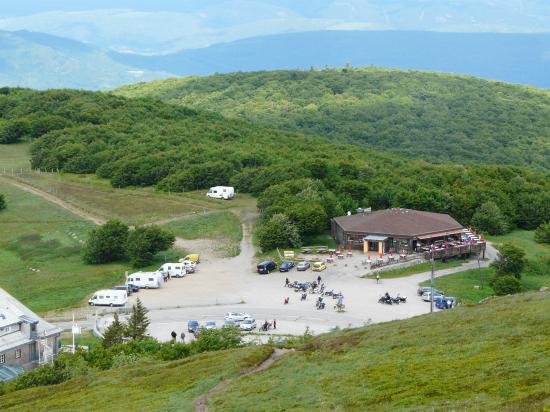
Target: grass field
point(526, 240)
point(469, 286)
point(37, 235)
point(149, 386)
point(420, 268)
point(493, 356)
point(87, 338)
point(14, 157)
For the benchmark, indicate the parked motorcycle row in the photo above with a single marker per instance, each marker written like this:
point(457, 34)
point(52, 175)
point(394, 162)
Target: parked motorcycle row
point(389, 300)
point(310, 288)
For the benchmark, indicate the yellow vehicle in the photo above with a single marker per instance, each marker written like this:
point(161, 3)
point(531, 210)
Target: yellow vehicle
point(194, 257)
point(319, 266)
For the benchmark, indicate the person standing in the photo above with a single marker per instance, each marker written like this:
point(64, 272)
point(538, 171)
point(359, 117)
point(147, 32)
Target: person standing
point(182, 336)
point(274, 324)
point(287, 282)
point(377, 277)
point(319, 279)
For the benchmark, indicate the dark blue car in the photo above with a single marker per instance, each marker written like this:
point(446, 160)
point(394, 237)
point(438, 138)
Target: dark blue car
point(192, 326)
point(286, 266)
point(447, 302)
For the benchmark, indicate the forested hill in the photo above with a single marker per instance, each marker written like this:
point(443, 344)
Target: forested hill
point(433, 116)
point(144, 142)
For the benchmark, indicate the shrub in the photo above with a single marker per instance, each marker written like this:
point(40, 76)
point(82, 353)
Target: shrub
point(510, 260)
point(107, 243)
point(278, 231)
point(542, 234)
point(216, 339)
point(2, 202)
point(506, 285)
point(144, 242)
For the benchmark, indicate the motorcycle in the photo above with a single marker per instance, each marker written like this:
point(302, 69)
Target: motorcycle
point(386, 299)
point(320, 304)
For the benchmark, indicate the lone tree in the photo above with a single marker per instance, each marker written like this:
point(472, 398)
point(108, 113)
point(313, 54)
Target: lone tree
point(113, 334)
point(488, 218)
point(510, 260)
point(106, 243)
point(145, 242)
point(138, 322)
point(2, 202)
point(542, 234)
point(278, 231)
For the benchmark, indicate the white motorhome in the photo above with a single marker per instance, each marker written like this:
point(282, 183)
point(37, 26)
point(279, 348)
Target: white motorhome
point(109, 297)
point(145, 280)
point(175, 270)
point(221, 192)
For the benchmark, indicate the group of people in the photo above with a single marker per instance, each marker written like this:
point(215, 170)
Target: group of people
point(268, 325)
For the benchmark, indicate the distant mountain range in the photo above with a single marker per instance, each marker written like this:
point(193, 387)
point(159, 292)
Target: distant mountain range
point(163, 26)
point(515, 58)
point(43, 61)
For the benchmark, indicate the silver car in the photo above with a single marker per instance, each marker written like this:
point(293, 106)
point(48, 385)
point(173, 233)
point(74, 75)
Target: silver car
point(303, 266)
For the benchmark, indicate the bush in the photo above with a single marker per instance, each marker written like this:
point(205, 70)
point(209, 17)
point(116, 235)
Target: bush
point(2, 202)
point(145, 242)
point(510, 260)
point(216, 339)
point(542, 234)
point(278, 231)
point(14, 131)
point(506, 285)
point(107, 243)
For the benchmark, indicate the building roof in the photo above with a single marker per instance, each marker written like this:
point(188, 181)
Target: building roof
point(406, 223)
point(8, 373)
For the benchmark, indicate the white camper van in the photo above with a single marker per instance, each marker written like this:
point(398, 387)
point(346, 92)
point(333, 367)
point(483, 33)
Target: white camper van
point(109, 297)
point(175, 270)
point(221, 192)
point(145, 280)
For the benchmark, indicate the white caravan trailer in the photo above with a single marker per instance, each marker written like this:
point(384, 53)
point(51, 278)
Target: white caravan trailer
point(145, 280)
point(221, 192)
point(175, 270)
point(109, 297)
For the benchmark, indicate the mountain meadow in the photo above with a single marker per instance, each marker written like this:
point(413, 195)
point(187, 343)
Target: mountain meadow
point(433, 116)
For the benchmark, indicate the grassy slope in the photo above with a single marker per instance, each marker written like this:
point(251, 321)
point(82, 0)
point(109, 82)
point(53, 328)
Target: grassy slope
point(149, 386)
point(493, 356)
point(432, 116)
point(487, 357)
point(14, 157)
point(39, 235)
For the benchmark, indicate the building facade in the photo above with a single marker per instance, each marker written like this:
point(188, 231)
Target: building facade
point(393, 230)
point(26, 340)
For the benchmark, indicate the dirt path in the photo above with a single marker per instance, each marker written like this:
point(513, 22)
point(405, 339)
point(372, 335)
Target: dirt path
point(201, 401)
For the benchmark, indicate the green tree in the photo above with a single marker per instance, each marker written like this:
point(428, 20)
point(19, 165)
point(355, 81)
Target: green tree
point(488, 218)
point(278, 231)
point(310, 219)
point(15, 130)
point(510, 260)
point(145, 242)
point(106, 243)
point(505, 285)
point(2, 202)
point(138, 322)
point(114, 333)
point(542, 233)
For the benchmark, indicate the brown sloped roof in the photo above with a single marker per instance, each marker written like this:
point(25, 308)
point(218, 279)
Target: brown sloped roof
point(398, 222)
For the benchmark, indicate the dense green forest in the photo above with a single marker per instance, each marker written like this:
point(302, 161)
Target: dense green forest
point(435, 117)
point(143, 142)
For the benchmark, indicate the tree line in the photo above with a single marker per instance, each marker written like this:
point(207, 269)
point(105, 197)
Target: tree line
point(301, 181)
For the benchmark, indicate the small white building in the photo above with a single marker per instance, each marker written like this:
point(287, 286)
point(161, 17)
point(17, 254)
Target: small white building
point(26, 340)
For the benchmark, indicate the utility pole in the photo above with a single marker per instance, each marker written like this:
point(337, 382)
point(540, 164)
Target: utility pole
point(432, 279)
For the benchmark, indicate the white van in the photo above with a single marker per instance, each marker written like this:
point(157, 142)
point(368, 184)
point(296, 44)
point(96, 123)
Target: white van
point(145, 280)
point(109, 297)
point(175, 270)
point(221, 192)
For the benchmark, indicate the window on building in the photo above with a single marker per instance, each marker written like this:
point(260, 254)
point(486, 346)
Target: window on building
point(17, 353)
point(2, 358)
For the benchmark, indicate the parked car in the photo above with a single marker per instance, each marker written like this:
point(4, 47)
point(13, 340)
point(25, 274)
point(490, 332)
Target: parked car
point(303, 266)
point(229, 323)
point(134, 288)
point(425, 289)
point(236, 316)
point(193, 326)
point(127, 288)
point(426, 297)
point(193, 257)
point(248, 324)
point(210, 324)
point(319, 266)
point(266, 267)
point(448, 302)
point(286, 266)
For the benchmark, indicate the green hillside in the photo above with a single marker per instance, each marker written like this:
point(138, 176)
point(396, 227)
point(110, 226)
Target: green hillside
point(492, 356)
point(144, 142)
point(433, 116)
